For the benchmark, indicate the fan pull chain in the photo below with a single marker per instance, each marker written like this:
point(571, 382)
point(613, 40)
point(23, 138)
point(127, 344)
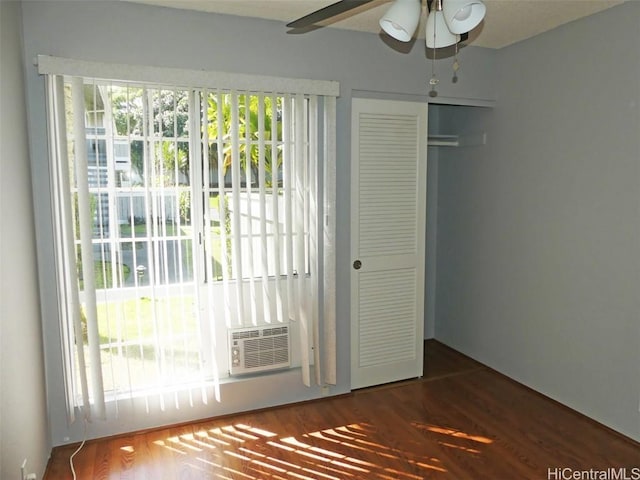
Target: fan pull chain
point(456, 66)
point(433, 81)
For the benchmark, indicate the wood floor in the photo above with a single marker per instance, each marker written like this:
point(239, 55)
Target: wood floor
point(460, 421)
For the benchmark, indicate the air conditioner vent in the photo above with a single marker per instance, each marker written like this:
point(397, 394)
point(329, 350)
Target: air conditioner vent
point(258, 349)
point(275, 331)
point(245, 334)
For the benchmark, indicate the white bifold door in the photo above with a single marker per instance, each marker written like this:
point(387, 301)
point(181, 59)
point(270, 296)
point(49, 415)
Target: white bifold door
point(388, 213)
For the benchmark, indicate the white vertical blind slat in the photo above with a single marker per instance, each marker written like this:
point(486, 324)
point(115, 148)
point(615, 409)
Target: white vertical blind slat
point(195, 306)
point(276, 169)
point(262, 181)
point(248, 161)
point(131, 224)
point(287, 120)
point(329, 233)
point(168, 187)
point(202, 237)
point(200, 149)
point(69, 302)
point(146, 174)
point(281, 215)
point(301, 299)
point(314, 266)
point(104, 93)
point(223, 208)
point(153, 257)
point(236, 227)
point(86, 233)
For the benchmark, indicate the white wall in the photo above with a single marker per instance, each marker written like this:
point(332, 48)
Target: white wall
point(539, 232)
point(165, 37)
point(23, 419)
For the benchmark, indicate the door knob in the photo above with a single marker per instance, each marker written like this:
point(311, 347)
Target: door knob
point(357, 264)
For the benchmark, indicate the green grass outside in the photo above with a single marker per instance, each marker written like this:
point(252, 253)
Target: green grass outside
point(141, 230)
point(129, 328)
point(130, 353)
point(130, 319)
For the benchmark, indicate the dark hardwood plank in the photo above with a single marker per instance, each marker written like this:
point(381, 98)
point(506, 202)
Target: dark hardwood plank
point(462, 420)
point(441, 361)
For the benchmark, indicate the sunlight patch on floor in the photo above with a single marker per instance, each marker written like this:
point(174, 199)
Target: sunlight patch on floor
point(453, 433)
point(337, 453)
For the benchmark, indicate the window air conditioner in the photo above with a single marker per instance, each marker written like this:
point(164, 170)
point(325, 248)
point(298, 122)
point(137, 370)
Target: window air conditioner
point(259, 349)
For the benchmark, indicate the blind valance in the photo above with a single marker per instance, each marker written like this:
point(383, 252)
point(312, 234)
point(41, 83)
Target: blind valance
point(179, 77)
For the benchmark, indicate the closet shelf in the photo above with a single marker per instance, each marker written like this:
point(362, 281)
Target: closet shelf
point(443, 140)
point(468, 140)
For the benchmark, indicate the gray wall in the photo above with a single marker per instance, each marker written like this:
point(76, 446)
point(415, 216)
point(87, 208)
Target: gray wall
point(539, 232)
point(165, 37)
point(23, 416)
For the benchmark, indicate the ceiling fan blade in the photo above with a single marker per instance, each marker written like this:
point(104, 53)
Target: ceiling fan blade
point(326, 12)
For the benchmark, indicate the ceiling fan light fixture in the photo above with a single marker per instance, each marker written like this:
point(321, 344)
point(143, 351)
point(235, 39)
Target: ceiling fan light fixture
point(401, 20)
point(462, 16)
point(437, 34)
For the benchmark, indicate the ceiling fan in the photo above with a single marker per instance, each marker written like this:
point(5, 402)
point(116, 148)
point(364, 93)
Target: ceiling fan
point(448, 21)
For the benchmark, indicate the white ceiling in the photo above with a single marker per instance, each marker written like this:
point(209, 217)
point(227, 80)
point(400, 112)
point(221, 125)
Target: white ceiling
point(506, 21)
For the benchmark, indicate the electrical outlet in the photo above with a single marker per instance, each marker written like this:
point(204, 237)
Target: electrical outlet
point(23, 472)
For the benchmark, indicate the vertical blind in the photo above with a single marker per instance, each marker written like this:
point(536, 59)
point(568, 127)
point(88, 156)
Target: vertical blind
point(180, 212)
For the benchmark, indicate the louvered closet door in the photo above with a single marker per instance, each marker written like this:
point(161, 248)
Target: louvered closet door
point(388, 209)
